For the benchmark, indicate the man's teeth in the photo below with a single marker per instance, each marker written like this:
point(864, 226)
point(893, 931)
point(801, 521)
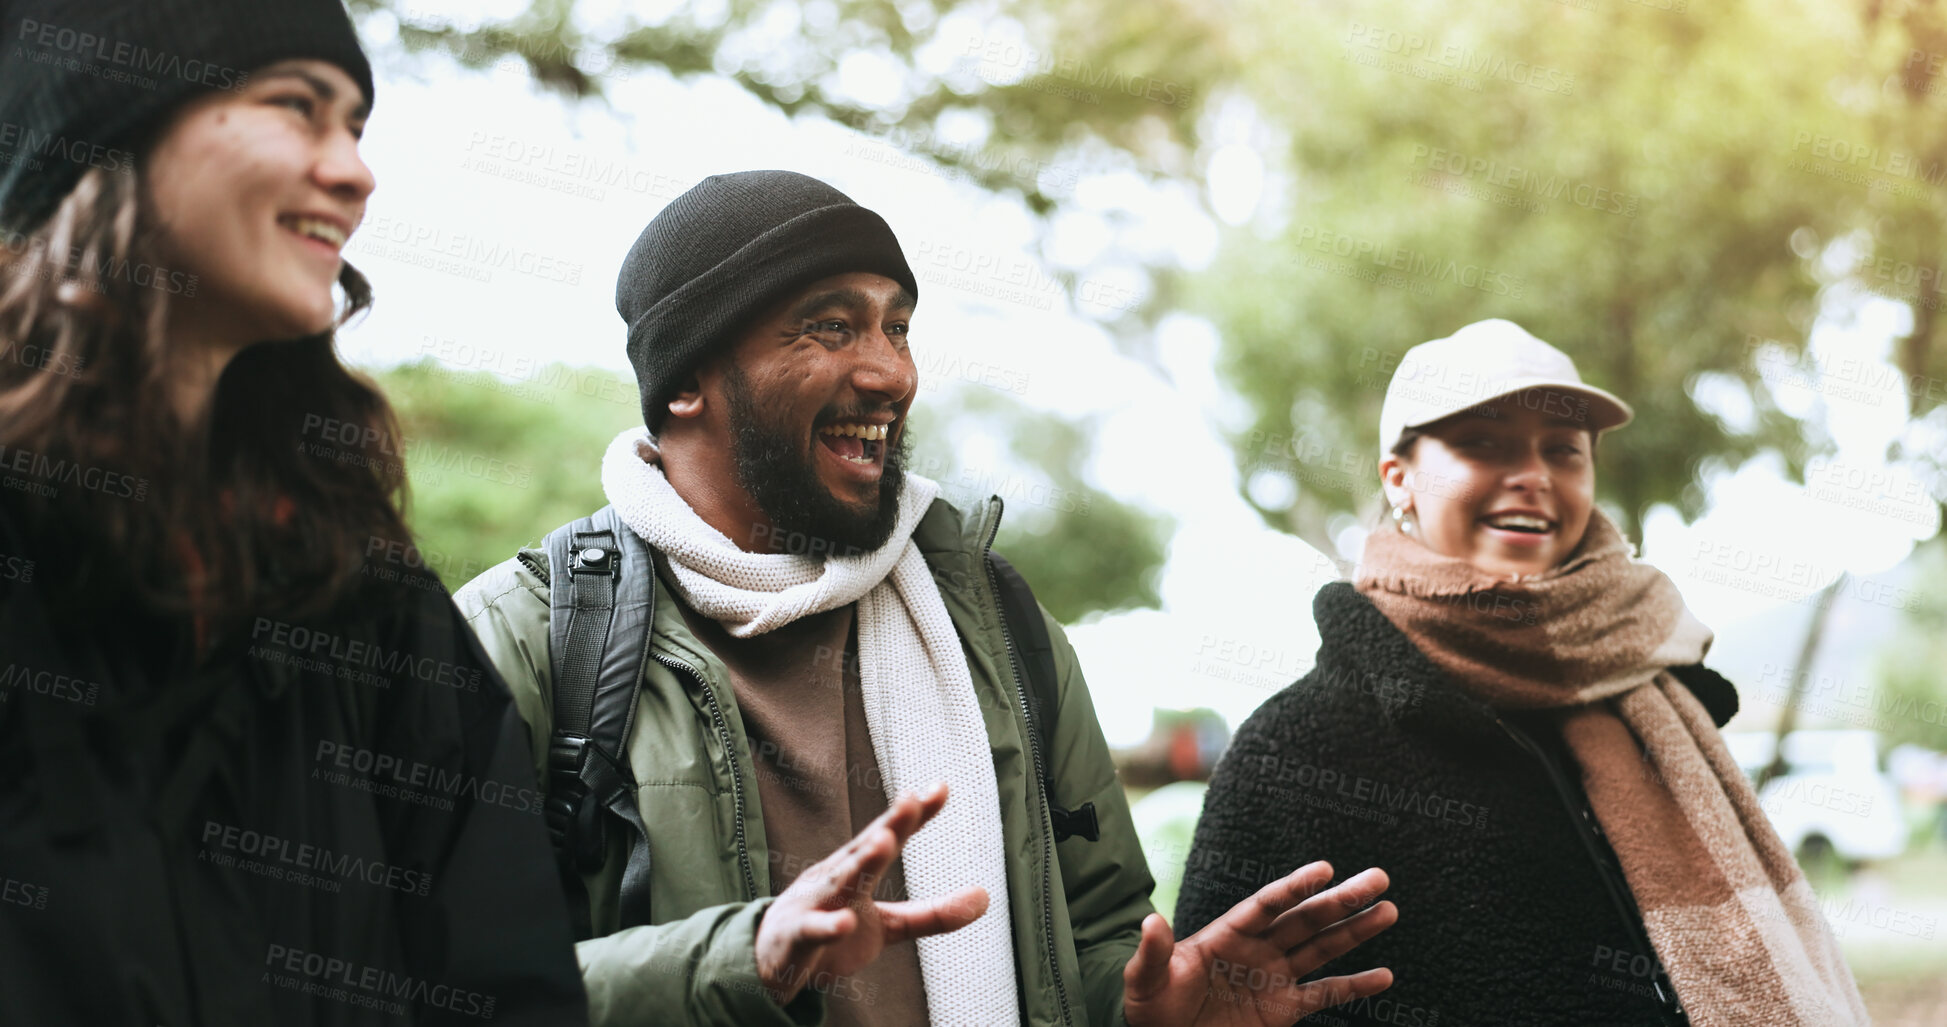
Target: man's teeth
point(1519, 522)
point(863, 432)
point(858, 431)
point(316, 228)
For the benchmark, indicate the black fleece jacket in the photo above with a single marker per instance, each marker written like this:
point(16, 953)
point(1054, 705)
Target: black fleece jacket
point(1376, 758)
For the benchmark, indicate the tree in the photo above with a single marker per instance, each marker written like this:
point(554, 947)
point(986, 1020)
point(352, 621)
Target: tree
point(493, 464)
point(1658, 191)
point(1911, 700)
point(1061, 84)
point(1081, 549)
point(1672, 192)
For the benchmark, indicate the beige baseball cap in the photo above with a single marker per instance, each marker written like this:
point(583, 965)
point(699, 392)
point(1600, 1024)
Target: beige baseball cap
point(1483, 361)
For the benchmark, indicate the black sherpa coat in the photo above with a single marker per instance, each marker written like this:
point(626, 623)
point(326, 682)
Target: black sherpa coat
point(1507, 914)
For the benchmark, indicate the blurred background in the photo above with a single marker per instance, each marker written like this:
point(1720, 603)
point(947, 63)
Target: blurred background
point(1171, 253)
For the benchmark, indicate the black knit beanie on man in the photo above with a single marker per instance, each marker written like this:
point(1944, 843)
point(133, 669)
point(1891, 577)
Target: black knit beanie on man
point(83, 82)
point(721, 254)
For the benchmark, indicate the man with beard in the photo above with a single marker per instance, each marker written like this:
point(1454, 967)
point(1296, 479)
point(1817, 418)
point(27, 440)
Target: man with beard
point(830, 671)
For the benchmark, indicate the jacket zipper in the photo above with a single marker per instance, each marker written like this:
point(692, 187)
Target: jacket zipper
point(730, 756)
point(1665, 990)
point(1034, 785)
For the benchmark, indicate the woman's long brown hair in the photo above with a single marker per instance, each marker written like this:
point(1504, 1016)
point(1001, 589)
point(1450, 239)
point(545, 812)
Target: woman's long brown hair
point(254, 509)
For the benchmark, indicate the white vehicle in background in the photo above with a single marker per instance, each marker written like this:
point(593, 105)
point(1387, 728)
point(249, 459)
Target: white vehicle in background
point(1832, 798)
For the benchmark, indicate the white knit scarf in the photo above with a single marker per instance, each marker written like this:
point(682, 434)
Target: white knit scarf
point(920, 707)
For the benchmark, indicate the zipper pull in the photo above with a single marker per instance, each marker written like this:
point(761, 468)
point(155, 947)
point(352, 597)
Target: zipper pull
point(1669, 997)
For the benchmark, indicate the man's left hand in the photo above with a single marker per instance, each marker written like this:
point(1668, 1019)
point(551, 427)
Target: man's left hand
point(1247, 967)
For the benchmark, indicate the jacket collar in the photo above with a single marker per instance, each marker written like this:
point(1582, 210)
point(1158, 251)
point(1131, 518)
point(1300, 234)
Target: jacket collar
point(1361, 651)
point(948, 530)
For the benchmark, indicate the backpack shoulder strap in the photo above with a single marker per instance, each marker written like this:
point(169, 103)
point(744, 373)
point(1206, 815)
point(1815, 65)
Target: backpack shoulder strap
point(602, 591)
point(1043, 690)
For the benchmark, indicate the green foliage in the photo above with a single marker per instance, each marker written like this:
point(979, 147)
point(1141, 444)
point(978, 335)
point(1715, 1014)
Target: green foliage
point(1651, 188)
point(1077, 82)
point(495, 465)
point(1913, 667)
point(1618, 180)
point(1081, 549)
point(1106, 559)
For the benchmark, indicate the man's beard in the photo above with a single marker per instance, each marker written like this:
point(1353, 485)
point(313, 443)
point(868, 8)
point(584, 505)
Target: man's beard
point(805, 517)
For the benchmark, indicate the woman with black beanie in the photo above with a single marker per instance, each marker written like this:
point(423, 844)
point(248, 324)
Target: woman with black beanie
point(1509, 712)
point(253, 767)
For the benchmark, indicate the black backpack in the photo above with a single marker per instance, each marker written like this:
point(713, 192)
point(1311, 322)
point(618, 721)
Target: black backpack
point(601, 610)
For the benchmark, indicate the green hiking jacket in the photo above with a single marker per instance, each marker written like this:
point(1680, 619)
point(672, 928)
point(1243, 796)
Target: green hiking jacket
point(1076, 916)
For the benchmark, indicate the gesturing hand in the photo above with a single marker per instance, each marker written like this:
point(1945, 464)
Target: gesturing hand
point(828, 922)
point(1245, 968)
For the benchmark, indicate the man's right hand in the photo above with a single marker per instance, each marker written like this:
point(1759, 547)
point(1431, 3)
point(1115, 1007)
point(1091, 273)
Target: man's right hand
point(828, 922)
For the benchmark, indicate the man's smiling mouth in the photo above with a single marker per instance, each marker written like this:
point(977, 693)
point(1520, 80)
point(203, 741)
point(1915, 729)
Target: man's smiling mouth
point(855, 442)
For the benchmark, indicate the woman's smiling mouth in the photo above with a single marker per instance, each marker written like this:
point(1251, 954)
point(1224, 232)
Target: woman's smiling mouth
point(1523, 529)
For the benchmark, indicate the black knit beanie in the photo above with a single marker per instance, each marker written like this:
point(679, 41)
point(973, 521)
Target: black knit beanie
point(83, 81)
point(720, 254)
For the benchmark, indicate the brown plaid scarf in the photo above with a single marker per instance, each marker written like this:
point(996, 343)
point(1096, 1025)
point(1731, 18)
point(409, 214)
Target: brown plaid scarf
point(1732, 918)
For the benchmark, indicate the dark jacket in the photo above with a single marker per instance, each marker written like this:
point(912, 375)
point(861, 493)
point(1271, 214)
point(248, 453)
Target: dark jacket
point(1511, 910)
point(325, 823)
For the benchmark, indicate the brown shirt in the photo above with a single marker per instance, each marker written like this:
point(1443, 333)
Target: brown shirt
point(818, 783)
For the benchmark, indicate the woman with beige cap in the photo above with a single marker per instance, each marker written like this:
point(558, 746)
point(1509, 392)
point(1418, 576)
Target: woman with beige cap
point(1508, 712)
